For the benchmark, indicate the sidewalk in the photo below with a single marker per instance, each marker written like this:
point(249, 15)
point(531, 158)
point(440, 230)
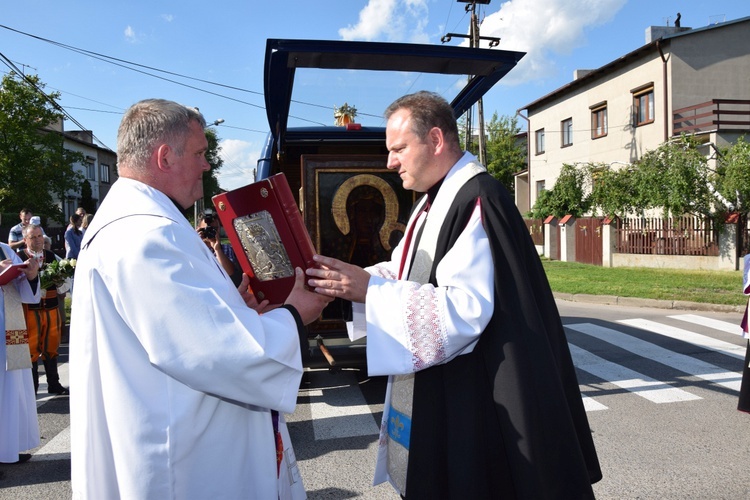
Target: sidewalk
point(636, 302)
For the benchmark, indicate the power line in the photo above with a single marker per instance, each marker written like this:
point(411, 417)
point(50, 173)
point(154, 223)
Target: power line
point(54, 103)
point(132, 66)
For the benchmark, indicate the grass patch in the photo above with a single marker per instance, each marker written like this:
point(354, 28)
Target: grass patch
point(711, 287)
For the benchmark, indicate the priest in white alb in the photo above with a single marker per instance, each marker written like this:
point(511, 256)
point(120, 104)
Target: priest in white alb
point(178, 384)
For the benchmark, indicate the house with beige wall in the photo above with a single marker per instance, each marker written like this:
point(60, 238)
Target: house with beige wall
point(683, 80)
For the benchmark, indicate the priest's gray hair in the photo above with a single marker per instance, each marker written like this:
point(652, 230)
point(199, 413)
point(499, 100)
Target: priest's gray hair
point(428, 110)
point(150, 123)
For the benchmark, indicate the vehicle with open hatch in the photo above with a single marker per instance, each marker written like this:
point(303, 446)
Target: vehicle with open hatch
point(354, 208)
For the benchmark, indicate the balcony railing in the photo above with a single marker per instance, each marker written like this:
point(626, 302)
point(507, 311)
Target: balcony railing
point(714, 115)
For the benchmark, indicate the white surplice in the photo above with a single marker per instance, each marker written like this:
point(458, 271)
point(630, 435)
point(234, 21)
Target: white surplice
point(19, 427)
point(172, 376)
point(427, 325)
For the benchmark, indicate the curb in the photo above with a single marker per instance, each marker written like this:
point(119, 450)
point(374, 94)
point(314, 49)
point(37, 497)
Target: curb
point(637, 302)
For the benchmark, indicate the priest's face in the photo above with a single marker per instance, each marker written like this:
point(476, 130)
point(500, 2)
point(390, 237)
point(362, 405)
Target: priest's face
point(412, 156)
point(186, 184)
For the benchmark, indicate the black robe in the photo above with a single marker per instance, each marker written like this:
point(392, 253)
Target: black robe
point(507, 420)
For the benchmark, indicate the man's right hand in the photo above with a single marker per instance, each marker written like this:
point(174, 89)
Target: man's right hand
point(308, 304)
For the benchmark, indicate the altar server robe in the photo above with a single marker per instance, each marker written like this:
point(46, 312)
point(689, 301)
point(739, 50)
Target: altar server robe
point(172, 376)
point(19, 428)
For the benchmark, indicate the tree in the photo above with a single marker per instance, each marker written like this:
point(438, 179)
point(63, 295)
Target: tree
point(87, 198)
point(36, 170)
point(613, 192)
point(473, 147)
point(733, 175)
point(210, 181)
point(674, 177)
point(506, 156)
point(567, 197)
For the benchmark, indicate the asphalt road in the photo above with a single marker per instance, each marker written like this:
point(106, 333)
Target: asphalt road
point(660, 387)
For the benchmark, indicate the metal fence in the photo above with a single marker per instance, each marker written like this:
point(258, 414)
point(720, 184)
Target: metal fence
point(686, 235)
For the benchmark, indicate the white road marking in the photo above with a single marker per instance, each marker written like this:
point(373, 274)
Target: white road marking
point(716, 324)
point(696, 339)
point(681, 362)
point(58, 447)
point(340, 410)
point(625, 378)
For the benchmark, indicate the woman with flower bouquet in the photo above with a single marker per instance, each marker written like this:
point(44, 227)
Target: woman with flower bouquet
point(43, 320)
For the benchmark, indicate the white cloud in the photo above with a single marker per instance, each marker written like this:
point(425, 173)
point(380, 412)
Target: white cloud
point(167, 17)
point(130, 35)
point(544, 28)
point(240, 159)
point(390, 20)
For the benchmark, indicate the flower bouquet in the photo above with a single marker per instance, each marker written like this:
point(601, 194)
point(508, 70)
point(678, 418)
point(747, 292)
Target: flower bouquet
point(56, 273)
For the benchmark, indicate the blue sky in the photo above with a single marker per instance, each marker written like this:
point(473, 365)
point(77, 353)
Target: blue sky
point(91, 46)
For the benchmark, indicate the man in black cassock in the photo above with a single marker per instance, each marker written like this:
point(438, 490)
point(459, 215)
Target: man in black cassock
point(482, 400)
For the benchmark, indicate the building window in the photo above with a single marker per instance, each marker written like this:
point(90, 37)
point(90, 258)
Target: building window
point(643, 105)
point(540, 141)
point(599, 121)
point(566, 126)
point(104, 174)
point(539, 188)
point(70, 206)
point(90, 168)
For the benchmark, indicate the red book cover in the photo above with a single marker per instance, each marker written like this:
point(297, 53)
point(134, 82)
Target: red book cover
point(268, 235)
point(10, 273)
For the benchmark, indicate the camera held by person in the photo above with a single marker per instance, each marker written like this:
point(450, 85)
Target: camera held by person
point(208, 232)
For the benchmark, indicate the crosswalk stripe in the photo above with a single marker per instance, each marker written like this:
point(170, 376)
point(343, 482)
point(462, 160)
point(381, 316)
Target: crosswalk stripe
point(590, 404)
point(42, 396)
point(681, 362)
point(625, 378)
point(703, 341)
point(716, 324)
point(343, 412)
point(58, 447)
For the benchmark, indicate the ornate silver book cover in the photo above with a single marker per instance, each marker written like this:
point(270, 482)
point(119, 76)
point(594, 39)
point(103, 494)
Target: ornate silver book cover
point(262, 245)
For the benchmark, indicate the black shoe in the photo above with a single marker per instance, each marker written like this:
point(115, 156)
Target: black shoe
point(59, 390)
point(23, 457)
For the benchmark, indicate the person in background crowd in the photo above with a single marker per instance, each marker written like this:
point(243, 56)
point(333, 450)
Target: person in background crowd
point(37, 221)
point(73, 237)
point(15, 236)
point(43, 320)
point(744, 399)
point(86, 222)
point(179, 382)
point(19, 427)
point(209, 228)
point(482, 399)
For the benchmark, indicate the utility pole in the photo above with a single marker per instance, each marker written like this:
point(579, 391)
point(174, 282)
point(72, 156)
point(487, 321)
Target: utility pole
point(474, 31)
point(471, 6)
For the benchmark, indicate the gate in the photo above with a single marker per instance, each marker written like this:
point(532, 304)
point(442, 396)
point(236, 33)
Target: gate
point(589, 240)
